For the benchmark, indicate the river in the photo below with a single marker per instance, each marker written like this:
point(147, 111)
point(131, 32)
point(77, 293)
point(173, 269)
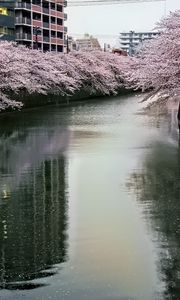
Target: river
point(89, 203)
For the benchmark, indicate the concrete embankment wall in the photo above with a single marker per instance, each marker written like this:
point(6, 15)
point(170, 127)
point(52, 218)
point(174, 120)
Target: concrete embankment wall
point(36, 100)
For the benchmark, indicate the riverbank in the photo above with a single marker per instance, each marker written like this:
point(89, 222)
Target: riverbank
point(32, 78)
point(32, 102)
point(158, 104)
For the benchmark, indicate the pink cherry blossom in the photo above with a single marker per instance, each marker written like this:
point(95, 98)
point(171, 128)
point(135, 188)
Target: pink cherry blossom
point(26, 71)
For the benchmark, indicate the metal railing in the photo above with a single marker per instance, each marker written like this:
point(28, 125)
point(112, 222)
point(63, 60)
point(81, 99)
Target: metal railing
point(21, 20)
point(22, 5)
point(23, 36)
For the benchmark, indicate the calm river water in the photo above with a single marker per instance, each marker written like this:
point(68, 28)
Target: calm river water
point(89, 204)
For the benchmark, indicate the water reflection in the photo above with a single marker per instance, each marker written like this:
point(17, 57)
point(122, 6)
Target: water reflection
point(84, 154)
point(158, 189)
point(33, 205)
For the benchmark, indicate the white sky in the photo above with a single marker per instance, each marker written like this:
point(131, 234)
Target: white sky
point(106, 21)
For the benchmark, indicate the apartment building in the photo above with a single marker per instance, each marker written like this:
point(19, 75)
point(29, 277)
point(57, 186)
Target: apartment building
point(39, 24)
point(71, 44)
point(88, 42)
point(130, 41)
point(7, 26)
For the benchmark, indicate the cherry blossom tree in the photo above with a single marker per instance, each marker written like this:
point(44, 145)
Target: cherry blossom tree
point(157, 67)
point(27, 71)
point(158, 63)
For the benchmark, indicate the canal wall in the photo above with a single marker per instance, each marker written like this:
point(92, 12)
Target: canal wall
point(37, 100)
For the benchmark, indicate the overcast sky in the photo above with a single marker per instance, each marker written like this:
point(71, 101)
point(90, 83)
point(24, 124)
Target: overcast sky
point(111, 19)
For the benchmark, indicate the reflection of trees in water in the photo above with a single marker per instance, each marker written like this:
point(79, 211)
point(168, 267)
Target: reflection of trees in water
point(23, 150)
point(158, 189)
point(33, 204)
point(33, 226)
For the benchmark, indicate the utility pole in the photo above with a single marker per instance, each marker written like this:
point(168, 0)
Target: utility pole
point(37, 31)
point(67, 44)
point(36, 40)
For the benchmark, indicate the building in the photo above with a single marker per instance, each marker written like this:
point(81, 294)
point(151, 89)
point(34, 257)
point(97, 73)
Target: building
point(7, 26)
point(71, 44)
point(40, 24)
point(88, 42)
point(129, 41)
point(119, 52)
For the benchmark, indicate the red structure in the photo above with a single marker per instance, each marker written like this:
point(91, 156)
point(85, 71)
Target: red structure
point(119, 52)
point(40, 24)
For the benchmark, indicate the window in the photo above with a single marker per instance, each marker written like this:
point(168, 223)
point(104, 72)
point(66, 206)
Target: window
point(53, 20)
point(53, 47)
point(3, 11)
point(53, 34)
point(36, 16)
point(36, 2)
point(60, 35)
point(5, 30)
point(59, 7)
point(59, 48)
point(53, 6)
point(59, 21)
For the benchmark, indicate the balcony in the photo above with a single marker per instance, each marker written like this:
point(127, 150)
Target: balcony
point(22, 21)
point(59, 41)
point(37, 23)
point(53, 13)
point(22, 5)
point(39, 38)
point(36, 8)
point(59, 28)
point(65, 29)
point(53, 40)
point(125, 43)
point(60, 14)
point(65, 17)
point(23, 36)
point(54, 27)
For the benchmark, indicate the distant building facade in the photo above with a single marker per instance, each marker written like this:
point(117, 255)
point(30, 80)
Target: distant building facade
point(7, 17)
point(37, 24)
point(71, 44)
point(88, 42)
point(129, 41)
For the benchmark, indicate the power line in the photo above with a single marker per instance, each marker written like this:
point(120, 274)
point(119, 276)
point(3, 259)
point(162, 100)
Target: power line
point(87, 2)
point(107, 2)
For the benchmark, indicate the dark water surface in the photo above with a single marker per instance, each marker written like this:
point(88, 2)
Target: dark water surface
point(89, 204)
